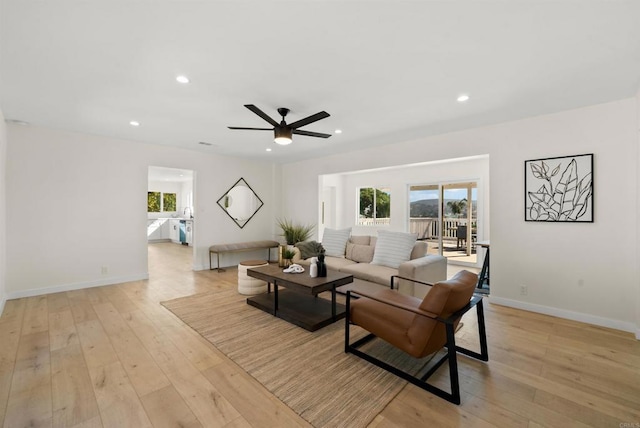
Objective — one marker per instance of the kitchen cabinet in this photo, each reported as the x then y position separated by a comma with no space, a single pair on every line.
158,229
189,232
174,230
179,231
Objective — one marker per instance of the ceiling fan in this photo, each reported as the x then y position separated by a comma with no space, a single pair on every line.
283,131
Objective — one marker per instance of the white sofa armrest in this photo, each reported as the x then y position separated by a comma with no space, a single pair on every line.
431,268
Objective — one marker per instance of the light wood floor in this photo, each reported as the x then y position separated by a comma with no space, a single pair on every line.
113,357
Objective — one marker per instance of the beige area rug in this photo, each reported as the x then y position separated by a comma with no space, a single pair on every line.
307,371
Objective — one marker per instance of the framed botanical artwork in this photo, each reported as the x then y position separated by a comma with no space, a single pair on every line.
559,189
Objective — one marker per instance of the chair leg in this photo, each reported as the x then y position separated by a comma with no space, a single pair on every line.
453,364
482,336
451,357
482,332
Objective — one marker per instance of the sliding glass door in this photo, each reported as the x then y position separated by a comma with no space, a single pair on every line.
445,215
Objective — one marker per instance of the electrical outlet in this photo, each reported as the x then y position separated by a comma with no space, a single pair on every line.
524,290
104,270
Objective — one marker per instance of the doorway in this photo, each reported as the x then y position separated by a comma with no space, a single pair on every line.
170,208
445,215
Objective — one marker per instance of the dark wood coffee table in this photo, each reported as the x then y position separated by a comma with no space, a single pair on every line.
298,303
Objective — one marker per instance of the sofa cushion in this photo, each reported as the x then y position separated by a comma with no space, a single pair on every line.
359,253
360,239
335,241
419,250
338,263
393,248
368,272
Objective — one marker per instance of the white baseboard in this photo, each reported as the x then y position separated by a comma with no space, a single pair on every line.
574,316
76,286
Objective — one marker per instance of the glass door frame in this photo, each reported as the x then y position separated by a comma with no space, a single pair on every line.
441,188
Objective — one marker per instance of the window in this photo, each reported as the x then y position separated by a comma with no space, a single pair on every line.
168,202
153,202
441,215
374,206
158,202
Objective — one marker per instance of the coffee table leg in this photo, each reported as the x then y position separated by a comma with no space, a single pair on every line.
333,302
275,298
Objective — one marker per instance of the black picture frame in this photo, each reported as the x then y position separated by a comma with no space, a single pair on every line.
559,189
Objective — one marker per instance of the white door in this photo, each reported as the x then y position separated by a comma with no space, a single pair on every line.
327,210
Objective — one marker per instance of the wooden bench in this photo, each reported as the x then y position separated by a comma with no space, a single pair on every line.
239,247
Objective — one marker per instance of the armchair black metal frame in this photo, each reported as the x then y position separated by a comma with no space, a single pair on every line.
452,348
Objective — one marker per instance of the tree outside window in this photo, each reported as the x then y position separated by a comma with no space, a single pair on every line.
169,202
153,202
374,206
161,202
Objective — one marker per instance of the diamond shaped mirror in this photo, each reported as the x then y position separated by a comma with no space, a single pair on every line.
240,202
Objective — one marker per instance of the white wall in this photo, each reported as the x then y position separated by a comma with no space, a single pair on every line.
579,271
637,278
78,202
3,213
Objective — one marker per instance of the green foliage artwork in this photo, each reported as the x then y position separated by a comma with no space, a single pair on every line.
375,203
559,189
153,202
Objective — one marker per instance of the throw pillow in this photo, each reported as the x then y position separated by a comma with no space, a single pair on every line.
360,239
309,249
335,241
393,248
359,253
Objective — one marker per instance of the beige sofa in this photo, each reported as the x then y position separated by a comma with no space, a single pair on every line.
366,276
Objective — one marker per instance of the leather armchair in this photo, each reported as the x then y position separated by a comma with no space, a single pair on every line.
419,327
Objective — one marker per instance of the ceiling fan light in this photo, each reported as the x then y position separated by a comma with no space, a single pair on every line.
283,141
282,136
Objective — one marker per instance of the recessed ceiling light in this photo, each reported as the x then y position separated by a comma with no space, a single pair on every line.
182,79
268,150
463,98
134,123
338,131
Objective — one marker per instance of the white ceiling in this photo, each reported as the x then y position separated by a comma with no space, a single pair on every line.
386,71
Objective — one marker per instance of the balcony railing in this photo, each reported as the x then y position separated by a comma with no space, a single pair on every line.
425,227
373,221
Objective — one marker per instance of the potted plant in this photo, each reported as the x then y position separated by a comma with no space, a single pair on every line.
288,255
294,233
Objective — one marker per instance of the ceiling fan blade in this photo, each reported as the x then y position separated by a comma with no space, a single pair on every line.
251,129
262,114
311,134
307,120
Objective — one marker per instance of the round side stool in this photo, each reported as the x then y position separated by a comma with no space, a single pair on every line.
246,284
